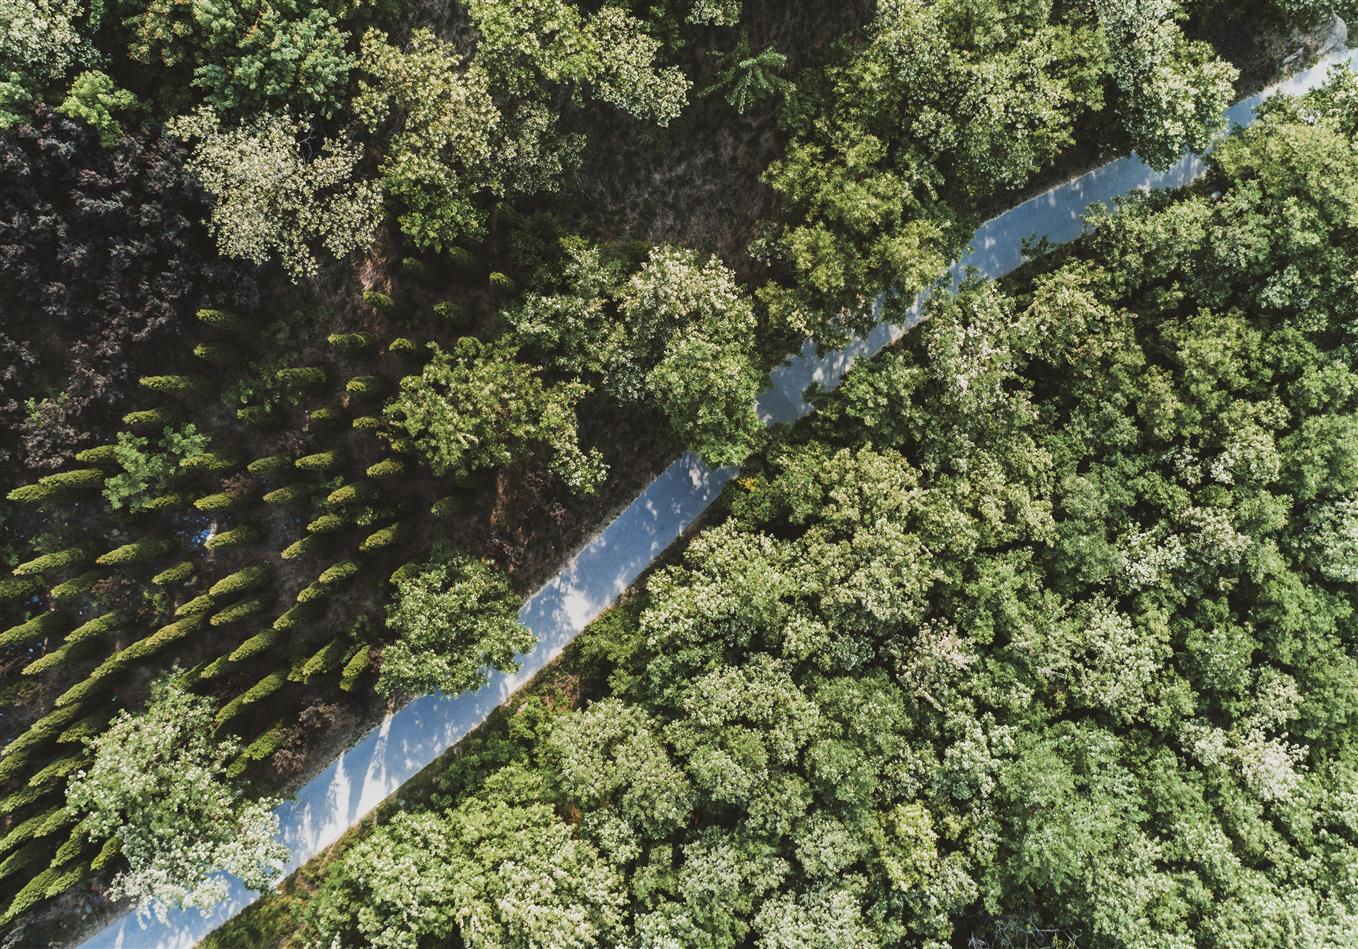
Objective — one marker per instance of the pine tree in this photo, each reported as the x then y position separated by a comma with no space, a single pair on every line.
57,560
148,548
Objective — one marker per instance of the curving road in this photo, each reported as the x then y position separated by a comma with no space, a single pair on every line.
409,739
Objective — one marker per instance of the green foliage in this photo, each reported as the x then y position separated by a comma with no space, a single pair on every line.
292,618
226,321
272,198
320,461
56,560
347,494
365,387
1172,91
269,466
147,548
238,611
379,539
17,588
44,624
255,645
262,689
386,468
288,494
218,502
98,626
747,79
453,618
358,666
259,749
478,408
174,575
94,99
247,578
183,386
157,785
148,467
326,523
303,547
104,456
321,661
301,377
678,335
242,536
77,586
448,506
212,461
199,604
160,417
218,354
353,342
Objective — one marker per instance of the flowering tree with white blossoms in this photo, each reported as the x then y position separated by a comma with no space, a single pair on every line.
158,785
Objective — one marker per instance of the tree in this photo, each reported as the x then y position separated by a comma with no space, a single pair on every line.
1173,90
146,471
747,78
496,874
273,196
454,618
39,42
93,99
479,407
157,785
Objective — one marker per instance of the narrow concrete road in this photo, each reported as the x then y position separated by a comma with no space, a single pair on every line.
408,740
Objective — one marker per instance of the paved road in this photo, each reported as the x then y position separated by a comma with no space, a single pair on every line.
408,740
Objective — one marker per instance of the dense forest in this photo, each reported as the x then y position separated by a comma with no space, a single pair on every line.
1039,633
329,329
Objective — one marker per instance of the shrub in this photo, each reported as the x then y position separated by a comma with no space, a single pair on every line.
51,660
355,668
218,354
98,626
224,320
74,481
57,560
102,455
379,301
26,857
269,465
325,416
241,580
352,342
449,505
320,461
301,377
416,268
326,523
386,468
183,386
456,315
148,548
404,572
238,611
303,547
367,422
258,415
213,503
199,604
348,494
288,494
255,645
380,539
321,661
292,617
262,689
364,387
156,418
338,573
77,586
259,749
209,461
166,502
31,494
44,624
241,536
176,574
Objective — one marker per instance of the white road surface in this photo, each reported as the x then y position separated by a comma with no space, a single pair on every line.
409,739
